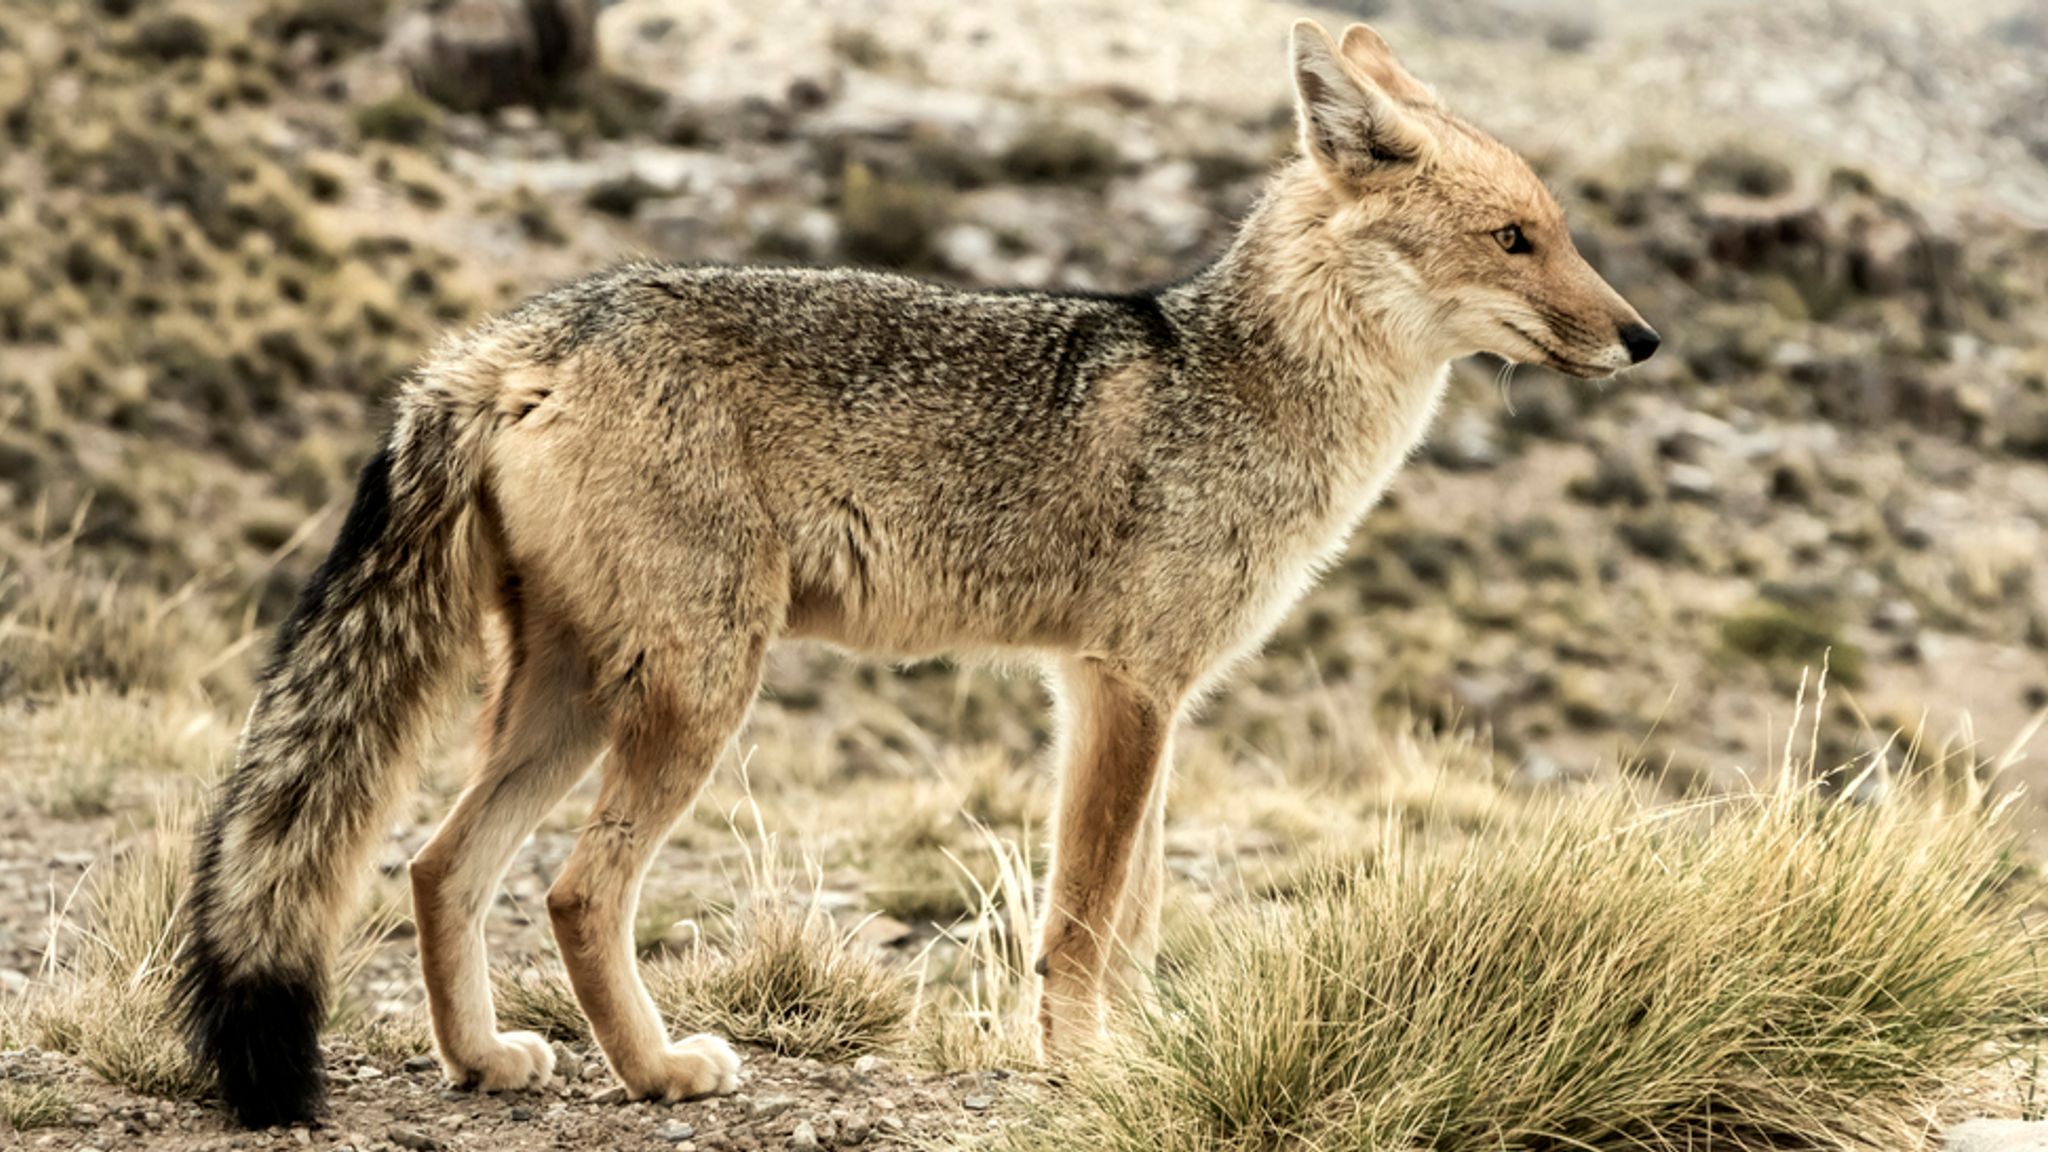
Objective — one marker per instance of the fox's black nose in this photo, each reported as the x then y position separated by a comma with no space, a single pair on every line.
1640,340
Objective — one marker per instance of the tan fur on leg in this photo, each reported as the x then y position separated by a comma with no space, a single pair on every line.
660,760
540,737
1134,954
1118,739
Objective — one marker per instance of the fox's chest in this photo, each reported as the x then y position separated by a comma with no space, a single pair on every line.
1310,513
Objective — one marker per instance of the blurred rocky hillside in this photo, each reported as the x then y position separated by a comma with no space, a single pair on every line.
227,227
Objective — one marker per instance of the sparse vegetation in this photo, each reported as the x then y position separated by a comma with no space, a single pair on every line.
888,222
1055,152
404,118
1789,639
1758,972
27,1107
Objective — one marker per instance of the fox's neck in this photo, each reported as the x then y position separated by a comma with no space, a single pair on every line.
1341,356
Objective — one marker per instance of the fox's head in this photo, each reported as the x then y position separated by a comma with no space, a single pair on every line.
1440,225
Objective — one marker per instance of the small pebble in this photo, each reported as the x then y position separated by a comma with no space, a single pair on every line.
675,1132
804,1138
979,1103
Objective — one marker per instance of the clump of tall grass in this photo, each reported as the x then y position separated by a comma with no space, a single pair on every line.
787,979
1771,970
108,1005
107,1002
977,1012
26,1107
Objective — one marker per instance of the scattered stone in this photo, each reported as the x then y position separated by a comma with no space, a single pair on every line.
422,1064
869,1065
413,1139
769,1107
1692,482
804,1138
616,1094
675,1132
1896,616
978,1103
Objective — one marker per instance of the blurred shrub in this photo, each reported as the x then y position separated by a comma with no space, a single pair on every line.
1790,638
1054,152
404,118
888,222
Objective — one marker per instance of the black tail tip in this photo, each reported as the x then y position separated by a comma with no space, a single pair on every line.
260,1034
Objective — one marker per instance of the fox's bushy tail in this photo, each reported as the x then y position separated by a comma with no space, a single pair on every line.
328,749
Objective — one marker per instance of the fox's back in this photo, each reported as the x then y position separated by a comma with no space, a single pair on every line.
946,467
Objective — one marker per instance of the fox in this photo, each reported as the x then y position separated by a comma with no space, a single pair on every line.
644,479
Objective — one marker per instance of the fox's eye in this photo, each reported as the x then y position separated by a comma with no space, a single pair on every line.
1511,239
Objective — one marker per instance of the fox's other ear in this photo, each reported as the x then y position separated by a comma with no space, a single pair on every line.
1369,52
1351,127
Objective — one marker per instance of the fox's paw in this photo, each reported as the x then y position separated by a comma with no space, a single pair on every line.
701,1065
513,1061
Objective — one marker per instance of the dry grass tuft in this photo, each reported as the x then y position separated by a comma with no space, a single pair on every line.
978,1013
26,1107
788,980
108,1003
793,983
389,1039
1767,971
109,1007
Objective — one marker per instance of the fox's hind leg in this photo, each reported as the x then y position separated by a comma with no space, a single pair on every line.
540,735
682,666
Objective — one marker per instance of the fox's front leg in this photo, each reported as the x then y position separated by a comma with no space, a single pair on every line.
1117,733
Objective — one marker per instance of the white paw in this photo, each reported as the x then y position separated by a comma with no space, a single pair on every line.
701,1065
515,1060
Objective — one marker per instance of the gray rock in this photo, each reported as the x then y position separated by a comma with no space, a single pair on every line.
978,1103
804,1138
1997,1136
1691,482
769,1107
413,1139
675,1132
421,1064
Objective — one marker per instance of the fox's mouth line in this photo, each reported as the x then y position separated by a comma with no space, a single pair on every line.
1556,359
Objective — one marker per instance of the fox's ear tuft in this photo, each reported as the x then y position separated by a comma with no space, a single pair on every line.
1368,51
1350,126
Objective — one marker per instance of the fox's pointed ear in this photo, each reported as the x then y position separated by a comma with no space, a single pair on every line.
1368,51
1351,127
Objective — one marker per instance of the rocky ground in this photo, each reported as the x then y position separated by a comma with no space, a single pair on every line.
379,1105
226,227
